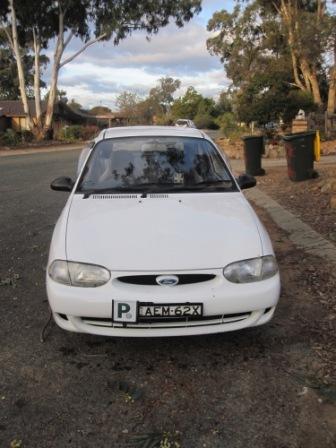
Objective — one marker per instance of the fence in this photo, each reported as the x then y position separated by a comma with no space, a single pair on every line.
324,122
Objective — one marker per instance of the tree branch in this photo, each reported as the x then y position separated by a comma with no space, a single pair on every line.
68,39
84,47
10,41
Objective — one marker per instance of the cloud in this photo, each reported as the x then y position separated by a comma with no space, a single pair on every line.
103,71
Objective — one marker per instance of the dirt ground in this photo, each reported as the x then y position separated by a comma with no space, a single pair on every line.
234,148
309,200
265,387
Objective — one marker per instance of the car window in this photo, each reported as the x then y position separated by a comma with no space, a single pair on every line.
165,163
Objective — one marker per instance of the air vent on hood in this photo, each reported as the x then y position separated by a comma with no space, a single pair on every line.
158,196
113,196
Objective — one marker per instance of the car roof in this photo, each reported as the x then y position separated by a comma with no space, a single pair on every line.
148,131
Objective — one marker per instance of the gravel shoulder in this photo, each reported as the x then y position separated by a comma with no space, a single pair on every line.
272,386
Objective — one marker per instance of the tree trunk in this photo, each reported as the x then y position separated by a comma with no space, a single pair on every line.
17,53
297,79
37,94
289,12
315,88
332,91
310,76
54,75
51,100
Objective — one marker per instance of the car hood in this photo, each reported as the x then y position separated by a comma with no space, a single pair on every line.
162,232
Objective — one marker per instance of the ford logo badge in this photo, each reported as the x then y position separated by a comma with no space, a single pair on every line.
167,280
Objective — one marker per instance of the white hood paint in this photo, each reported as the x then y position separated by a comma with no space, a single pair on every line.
181,232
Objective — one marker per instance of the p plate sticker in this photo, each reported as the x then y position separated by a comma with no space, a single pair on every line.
124,311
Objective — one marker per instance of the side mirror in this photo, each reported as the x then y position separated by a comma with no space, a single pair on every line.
62,184
246,181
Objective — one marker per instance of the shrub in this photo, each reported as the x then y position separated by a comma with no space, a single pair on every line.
10,138
164,120
205,121
76,132
230,127
89,132
26,136
69,133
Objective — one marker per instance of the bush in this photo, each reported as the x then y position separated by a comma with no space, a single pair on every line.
230,127
205,121
69,133
164,120
10,138
89,132
76,132
26,136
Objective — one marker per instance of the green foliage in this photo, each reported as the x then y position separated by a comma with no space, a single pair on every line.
187,105
26,136
164,120
251,43
76,132
14,138
205,121
269,100
10,138
9,82
230,127
89,132
161,96
115,19
60,96
74,105
224,103
127,104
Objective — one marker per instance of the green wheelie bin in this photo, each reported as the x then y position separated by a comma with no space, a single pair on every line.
254,147
300,155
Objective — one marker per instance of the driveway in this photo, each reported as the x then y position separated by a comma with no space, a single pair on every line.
272,386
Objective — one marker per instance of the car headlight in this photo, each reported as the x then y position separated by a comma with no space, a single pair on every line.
252,270
78,274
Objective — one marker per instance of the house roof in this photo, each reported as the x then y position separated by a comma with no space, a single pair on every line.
14,108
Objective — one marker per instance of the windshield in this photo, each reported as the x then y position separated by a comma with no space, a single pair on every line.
155,164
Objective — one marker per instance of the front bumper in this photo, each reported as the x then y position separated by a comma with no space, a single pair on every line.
226,306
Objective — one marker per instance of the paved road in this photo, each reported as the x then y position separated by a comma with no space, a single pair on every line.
230,390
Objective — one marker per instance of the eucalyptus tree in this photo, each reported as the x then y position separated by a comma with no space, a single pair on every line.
301,32
51,25
9,82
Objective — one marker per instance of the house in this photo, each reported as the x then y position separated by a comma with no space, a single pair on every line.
13,117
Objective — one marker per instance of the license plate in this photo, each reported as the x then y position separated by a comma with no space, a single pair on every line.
131,311
182,310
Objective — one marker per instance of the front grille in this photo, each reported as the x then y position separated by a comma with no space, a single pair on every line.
184,279
169,322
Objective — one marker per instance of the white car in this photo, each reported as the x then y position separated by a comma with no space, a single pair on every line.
156,239
185,123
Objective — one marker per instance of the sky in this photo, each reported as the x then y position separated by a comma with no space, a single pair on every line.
103,71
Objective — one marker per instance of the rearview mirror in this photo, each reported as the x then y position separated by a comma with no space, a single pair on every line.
246,181
62,184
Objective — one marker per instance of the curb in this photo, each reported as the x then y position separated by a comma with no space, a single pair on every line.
22,152
300,233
